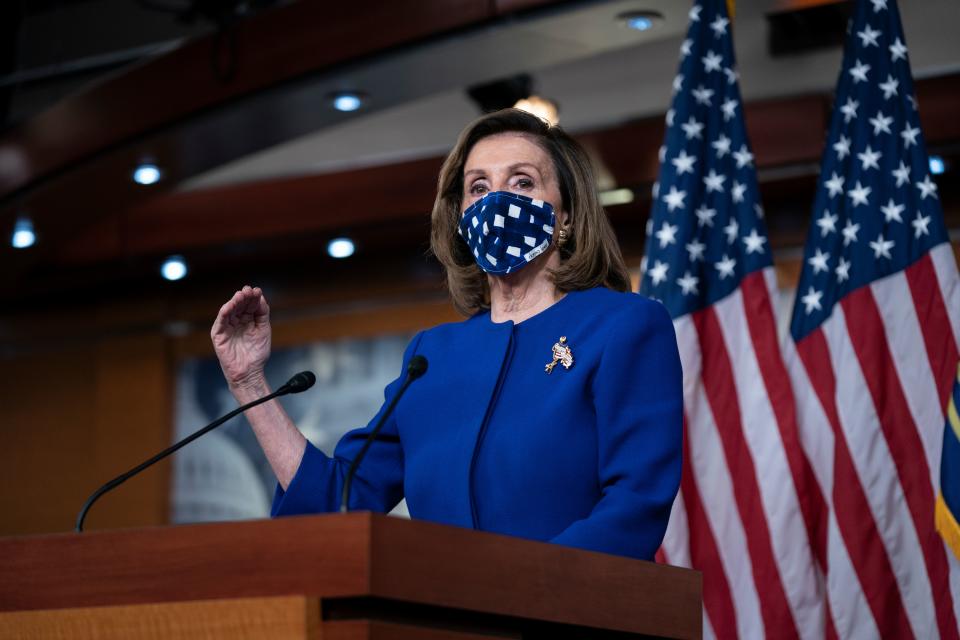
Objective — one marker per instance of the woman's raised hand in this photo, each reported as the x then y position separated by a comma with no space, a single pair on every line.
241,337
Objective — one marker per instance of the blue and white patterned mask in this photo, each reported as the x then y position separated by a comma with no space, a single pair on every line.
506,231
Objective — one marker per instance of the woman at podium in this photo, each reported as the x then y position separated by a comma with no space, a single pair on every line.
553,412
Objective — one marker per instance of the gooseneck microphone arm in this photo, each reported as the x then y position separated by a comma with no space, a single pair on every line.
300,382
415,368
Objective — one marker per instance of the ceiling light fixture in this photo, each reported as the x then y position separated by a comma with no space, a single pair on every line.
341,248
540,107
937,165
174,268
147,174
347,101
23,234
640,20
615,197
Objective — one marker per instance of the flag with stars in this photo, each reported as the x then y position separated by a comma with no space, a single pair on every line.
873,348
744,510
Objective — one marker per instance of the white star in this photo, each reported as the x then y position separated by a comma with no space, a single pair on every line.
827,223
879,5
722,145
849,110
843,270
909,136
684,163
758,210
902,174
744,157
868,36
729,108
811,301
705,216
670,115
714,181
692,128
842,147
695,13
737,191
731,230
897,50
850,232
869,157
881,248
659,272
725,266
913,101
881,123
667,235
859,194
685,47
754,242
688,283
927,188
655,190
819,262
711,62
920,225
859,72
889,87
674,199
677,82
731,74
649,230
834,184
662,152
719,26
892,211
696,249
702,95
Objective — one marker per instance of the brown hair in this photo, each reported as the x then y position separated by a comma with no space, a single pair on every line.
590,256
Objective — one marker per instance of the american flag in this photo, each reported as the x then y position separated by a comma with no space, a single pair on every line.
873,349
747,502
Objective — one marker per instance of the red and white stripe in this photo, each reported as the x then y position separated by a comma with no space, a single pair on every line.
749,502
871,384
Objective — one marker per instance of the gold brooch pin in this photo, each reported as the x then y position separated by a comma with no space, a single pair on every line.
561,354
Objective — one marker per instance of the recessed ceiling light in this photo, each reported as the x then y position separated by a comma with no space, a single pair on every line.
174,268
147,174
937,165
615,197
341,248
541,107
346,101
640,20
23,234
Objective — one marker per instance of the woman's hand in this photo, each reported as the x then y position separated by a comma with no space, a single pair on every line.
241,337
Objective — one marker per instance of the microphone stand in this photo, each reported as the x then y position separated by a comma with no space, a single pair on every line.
300,382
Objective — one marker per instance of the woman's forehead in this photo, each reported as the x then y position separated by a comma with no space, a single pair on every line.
504,150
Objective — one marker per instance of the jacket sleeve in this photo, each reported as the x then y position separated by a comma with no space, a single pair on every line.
638,397
378,483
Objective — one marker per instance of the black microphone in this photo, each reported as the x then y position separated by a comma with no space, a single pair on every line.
300,382
415,368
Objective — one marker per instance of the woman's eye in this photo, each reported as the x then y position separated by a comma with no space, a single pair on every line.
525,183
478,189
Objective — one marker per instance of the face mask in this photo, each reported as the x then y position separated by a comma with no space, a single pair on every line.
505,231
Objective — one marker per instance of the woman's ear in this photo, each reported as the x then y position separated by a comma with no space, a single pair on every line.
563,219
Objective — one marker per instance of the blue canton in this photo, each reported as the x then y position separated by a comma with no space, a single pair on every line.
706,229
876,209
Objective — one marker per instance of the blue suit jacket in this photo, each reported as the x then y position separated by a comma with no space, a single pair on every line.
587,456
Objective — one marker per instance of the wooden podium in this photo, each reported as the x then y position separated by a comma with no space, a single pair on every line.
333,577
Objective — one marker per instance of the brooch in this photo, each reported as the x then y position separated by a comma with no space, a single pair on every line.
561,354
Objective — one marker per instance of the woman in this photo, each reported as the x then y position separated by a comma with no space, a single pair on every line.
553,413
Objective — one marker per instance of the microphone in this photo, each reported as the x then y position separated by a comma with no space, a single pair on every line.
299,382
415,368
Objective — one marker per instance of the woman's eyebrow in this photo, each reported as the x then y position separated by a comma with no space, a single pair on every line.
512,168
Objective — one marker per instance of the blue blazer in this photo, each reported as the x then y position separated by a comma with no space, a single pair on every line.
587,456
